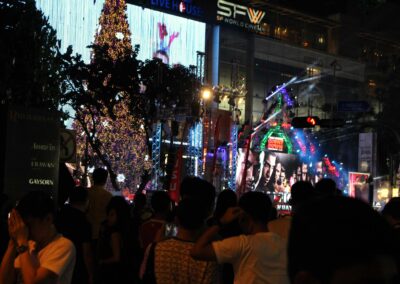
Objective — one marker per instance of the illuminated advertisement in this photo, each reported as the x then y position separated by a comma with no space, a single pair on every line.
197,10
271,172
275,144
383,191
274,173
396,175
241,16
358,185
173,39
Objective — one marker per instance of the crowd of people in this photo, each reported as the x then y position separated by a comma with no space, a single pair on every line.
99,238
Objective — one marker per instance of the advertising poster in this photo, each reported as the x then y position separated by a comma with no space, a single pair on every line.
382,191
270,171
396,175
273,173
358,185
367,152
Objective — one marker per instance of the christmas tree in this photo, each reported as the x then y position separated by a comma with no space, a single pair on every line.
117,138
122,142
114,30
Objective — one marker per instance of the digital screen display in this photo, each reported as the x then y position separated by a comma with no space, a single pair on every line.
275,144
173,39
274,173
358,185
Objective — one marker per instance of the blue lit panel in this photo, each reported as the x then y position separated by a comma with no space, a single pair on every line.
76,22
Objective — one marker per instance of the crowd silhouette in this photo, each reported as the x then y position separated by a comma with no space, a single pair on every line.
98,238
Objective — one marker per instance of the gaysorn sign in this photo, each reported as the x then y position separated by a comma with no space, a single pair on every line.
241,16
31,158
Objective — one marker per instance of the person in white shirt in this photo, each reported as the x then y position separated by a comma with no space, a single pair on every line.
36,253
257,256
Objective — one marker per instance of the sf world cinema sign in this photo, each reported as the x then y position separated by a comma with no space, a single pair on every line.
241,16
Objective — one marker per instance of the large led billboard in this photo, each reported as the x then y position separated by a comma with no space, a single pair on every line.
171,38
274,173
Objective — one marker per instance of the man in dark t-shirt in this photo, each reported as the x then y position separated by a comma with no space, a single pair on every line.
72,223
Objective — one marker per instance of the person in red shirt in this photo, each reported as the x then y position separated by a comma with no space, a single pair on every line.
161,205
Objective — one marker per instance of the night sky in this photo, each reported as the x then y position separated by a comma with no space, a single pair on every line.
328,7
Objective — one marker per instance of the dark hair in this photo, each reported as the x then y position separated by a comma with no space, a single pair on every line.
270,154
256,204
160,201
326,187
65,184
392,208
121,207
78,194
189,214
100,176
36,204
227,198
301,192
139,200
200,190
320,232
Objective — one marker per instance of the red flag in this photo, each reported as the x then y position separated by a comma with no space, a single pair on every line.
242,187
216,143
174,188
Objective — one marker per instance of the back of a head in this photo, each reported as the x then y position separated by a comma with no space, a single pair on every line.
301,191
392,208
227,198
65,183
256,204
326,187
100,176
36,204
160,201
334,233
78,194
122,209
189,214
199,189
140,200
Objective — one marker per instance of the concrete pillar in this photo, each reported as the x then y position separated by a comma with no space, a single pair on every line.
212,55
249,77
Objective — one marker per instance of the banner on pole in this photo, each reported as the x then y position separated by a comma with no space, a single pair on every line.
174,189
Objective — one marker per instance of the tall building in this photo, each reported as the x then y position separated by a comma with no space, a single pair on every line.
284,44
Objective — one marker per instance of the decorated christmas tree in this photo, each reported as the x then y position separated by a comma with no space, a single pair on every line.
116,137
113,30
123,143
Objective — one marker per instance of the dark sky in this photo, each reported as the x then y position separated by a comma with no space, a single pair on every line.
376,15
328,7
315,7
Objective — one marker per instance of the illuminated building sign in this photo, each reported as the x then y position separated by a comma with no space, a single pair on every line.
198,10
241,16
31,139
275,144
184,7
